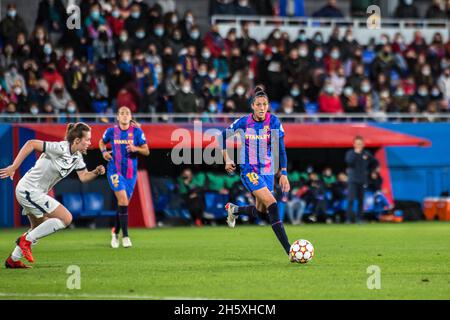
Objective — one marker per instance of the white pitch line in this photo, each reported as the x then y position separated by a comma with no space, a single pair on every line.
97,296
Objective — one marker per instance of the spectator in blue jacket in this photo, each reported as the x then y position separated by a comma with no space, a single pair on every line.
330,10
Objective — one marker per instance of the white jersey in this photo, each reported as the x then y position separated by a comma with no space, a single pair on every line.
55,163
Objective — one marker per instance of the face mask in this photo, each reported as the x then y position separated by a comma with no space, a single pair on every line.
240,91
435,93
34,111
123,38
295,92
348,92
335,55
384,41
40,36
277,35
116,14
426,72
400,93
190,19
135,14
423,93
95,15
158,69
212,76
243,3
195,35
140,35
159,32
69,55
288,110
212,108
302,37
303,53
126,58
329,90
318,39
186,89
18,91
365,88
206,54
12,13
174,19
202,73
318,54
408,2
349,38
71,109
177,36
47,50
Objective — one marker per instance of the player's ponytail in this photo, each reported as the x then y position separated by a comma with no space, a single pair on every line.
259,92
76,130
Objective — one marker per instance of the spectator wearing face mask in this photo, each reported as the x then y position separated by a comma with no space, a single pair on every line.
175,41
214,41
136,20
103,47
240,99
186,24
116,21
12,25
52,76
12,77
59,97
193,38
48,110
71,112
189,62
66,60
287,108
200,79
425,77
349,100
33,110
184,100
19,98
299,99
329,101
444,84
368,100
332,61
421,97
158,37
406,9
211,108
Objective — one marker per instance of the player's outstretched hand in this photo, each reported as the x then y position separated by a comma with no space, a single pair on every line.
7,172
230,168
284,183
107,155
100,170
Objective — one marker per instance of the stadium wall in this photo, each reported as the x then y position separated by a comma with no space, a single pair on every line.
6,185
418,172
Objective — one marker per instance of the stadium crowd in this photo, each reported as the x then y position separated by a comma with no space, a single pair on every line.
315,196
155,61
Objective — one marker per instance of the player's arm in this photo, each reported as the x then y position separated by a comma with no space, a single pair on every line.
142,149
105,153
284,181
229,132
87,176
25,151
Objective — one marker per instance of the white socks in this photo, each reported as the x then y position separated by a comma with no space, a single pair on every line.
45,228
16,255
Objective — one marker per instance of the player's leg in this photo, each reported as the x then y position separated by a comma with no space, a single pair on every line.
57,219
360,197
122,203
265,199
251,183
350,216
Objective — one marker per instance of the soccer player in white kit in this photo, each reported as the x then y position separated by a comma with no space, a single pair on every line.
57,161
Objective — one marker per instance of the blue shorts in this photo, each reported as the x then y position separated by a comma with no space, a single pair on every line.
253,181
118,183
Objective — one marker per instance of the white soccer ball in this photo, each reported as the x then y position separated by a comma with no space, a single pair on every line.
302,251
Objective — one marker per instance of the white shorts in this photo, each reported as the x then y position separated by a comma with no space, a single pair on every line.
35,202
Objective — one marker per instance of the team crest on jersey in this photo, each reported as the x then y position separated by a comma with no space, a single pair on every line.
266,128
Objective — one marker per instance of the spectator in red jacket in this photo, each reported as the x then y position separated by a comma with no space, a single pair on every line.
214,41
52,76
329,101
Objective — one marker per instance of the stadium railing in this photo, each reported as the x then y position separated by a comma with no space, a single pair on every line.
227,118
363,31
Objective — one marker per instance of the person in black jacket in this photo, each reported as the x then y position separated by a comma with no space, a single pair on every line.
360,163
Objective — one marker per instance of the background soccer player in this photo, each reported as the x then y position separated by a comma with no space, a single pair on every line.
57,161
257,166
127,140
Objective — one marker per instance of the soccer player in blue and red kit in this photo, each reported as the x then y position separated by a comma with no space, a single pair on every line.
262,137
127,140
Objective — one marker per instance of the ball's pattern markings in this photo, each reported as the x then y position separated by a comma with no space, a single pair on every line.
302,251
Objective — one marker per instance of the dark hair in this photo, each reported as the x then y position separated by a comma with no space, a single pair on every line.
76,130
133,122
259,92
358,137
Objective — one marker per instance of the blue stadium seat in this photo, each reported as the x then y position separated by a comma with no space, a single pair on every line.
73,202
368,56
275,105
93,204
215,203
311,108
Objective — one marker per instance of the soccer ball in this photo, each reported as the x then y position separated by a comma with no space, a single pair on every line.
301,251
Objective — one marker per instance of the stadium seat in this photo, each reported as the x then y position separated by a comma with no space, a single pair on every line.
311,108
93,204
275,105
73,202
215,203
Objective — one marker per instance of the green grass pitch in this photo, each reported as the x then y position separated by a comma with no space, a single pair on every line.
242,263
